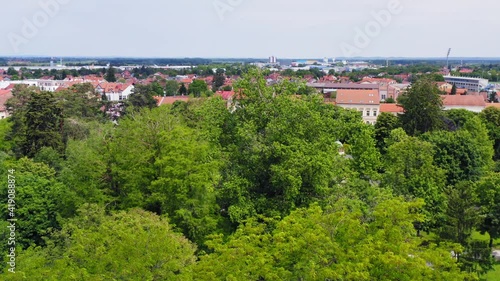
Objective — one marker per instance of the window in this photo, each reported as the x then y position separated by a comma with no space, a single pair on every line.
368,113
374,113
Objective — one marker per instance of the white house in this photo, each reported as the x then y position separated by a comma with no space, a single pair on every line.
115,91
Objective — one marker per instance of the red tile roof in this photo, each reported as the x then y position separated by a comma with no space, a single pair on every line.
226,95
170,100
391,108
4,96
463,100
357,97
114,87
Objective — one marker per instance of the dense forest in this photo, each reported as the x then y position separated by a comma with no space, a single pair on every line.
268,186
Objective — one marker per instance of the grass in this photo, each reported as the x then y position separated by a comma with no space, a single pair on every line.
493,275
478,236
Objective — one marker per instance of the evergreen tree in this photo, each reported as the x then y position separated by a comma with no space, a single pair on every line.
110,74
453,90
422,105
182,89
44,123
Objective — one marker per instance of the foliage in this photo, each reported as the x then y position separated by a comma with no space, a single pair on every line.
40,201
110,75
386,122
458,154
171,87
337,243
488,190
143,96
491,117
422,105
132,245
198,87
43,123
410,171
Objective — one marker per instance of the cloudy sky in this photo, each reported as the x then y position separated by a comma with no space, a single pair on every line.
250,28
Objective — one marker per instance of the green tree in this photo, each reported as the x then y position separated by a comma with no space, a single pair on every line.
334,243
386,122
491,117
110,75
12,71
422,105
198,87
458,154
80,101
488,190
461,218
143,97
459,117
284,152
17,107
44,123
219,79
182,90
410,172
390,100
39,203
453,90
171,87
96,246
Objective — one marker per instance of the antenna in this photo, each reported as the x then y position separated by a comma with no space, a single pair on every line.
447,58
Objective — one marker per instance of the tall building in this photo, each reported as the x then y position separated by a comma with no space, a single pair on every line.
273,60
471,84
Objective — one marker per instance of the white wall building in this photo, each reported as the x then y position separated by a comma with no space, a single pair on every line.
471,84
367,102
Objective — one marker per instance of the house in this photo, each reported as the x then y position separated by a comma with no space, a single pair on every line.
170,100
115,91
444,86
395,90
330,87
391,108
474,103
4,96
225,95
379,81
367,102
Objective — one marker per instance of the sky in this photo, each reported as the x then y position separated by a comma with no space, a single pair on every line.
250,28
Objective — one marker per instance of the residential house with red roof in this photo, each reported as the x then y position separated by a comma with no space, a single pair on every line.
474,103
391,108
115,91
4,96
367,102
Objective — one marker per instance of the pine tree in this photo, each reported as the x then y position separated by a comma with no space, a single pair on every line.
453,90
110,75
